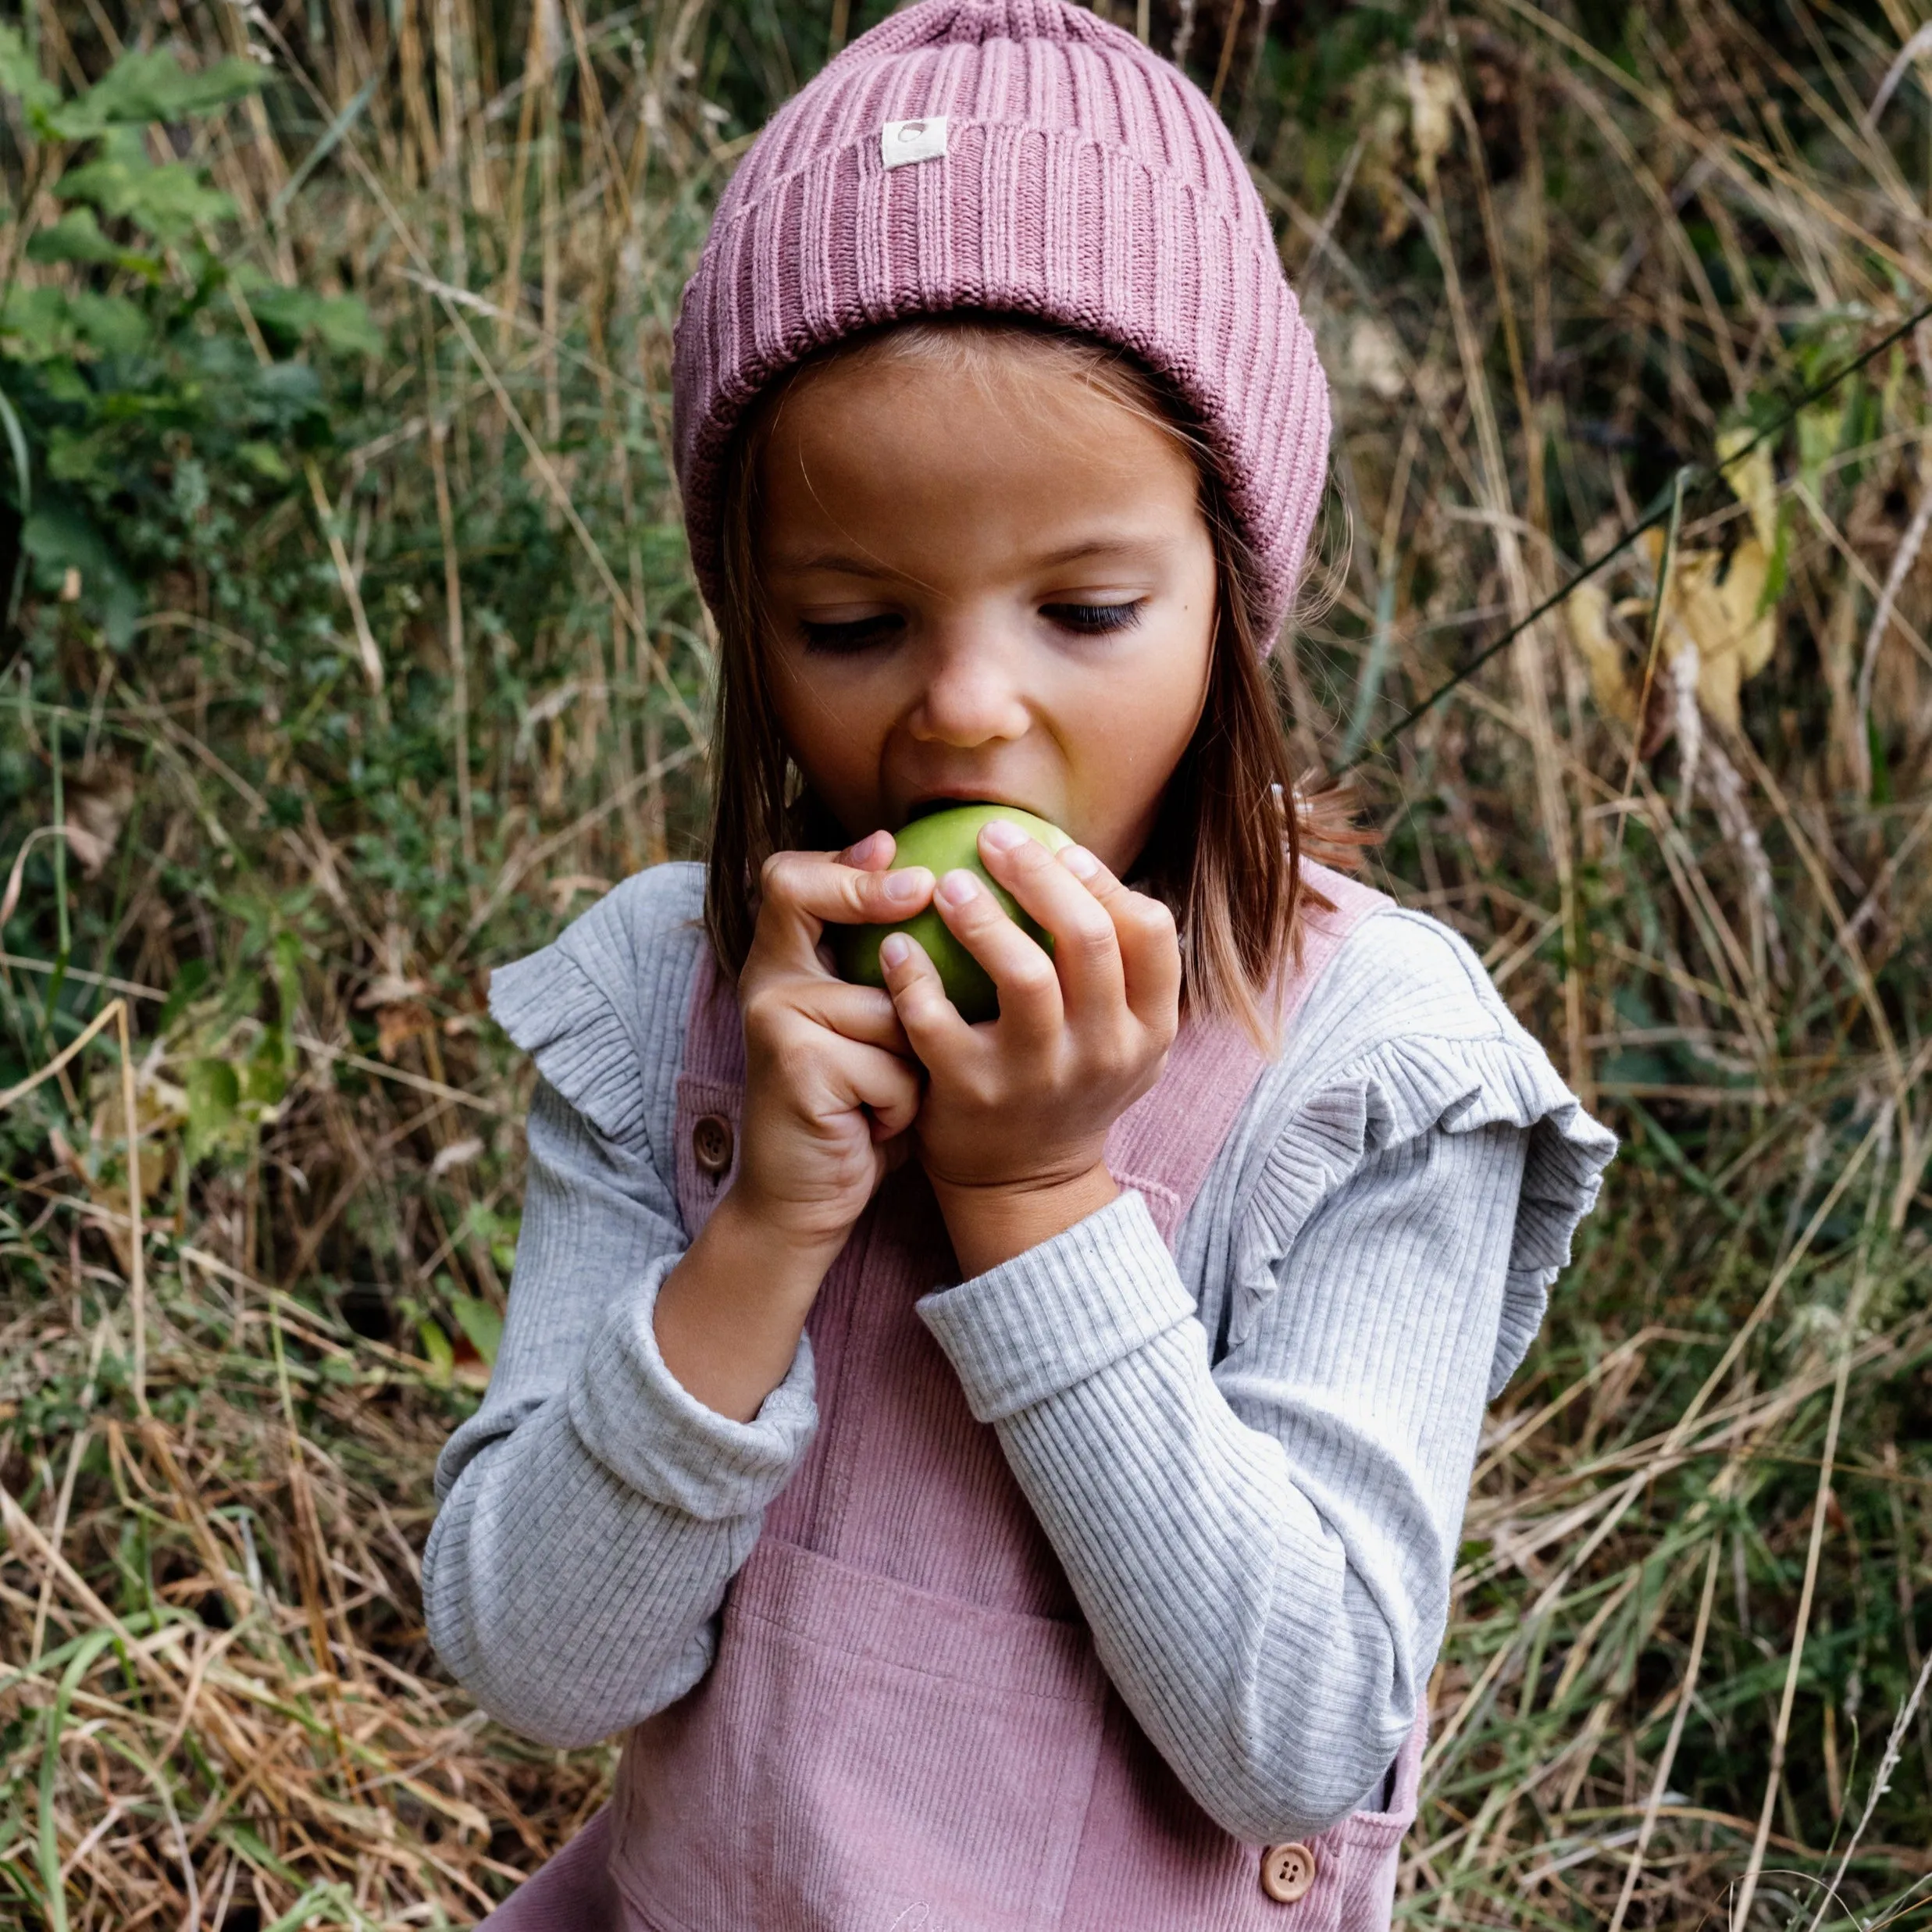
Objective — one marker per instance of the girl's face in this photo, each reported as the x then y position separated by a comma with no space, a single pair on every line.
984,580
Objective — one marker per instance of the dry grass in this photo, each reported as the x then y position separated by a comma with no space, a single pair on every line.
404,715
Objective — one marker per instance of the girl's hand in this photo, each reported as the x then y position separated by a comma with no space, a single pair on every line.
831,1085
1014,1123
830,1091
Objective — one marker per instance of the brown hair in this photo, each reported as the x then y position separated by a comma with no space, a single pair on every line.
1225,853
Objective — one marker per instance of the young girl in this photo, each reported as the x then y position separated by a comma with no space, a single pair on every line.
1001,1477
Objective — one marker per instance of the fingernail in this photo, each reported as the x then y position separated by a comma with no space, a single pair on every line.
956,889
1079,861
865,848
1002,837
908,885
896,950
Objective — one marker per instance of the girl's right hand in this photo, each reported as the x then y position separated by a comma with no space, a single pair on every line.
832,1085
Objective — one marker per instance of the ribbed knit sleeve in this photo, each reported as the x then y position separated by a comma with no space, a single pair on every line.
1262,1548
593,1510
1255,1476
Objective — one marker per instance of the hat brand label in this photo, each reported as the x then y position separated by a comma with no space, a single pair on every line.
901,142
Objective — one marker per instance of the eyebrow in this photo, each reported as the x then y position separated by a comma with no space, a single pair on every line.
1099,547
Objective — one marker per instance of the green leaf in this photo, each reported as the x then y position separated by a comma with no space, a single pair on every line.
435,1345
166,202
58,539
174,200
77,237
187,982
37,322
20,76
266,460
265,1079
288,952
109,324
347,326
481,1323
1881,763
1777,569
108,181
214,1099
141,87
65,383
289,311
285,393
82,456
1819,430
342,321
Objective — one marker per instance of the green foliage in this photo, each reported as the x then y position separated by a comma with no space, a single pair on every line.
480,1323
20,75
77,237
141,400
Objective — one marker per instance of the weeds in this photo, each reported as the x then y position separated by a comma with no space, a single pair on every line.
351,649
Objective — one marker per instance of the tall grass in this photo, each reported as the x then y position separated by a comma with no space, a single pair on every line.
351,682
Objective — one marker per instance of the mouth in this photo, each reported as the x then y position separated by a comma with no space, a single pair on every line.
927,803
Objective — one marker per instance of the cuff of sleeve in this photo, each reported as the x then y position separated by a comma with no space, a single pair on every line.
1060,1312
652,1432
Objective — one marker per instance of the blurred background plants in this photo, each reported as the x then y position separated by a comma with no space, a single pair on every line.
349,649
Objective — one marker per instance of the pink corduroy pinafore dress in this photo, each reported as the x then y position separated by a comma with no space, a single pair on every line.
906,1727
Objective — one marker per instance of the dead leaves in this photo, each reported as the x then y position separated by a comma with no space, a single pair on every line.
97,804
401,1014
1431,89
1588,611
1372,359
1718,626
103,1177
1408,119
1716,606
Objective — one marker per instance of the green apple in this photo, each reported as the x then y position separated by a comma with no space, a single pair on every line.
948,841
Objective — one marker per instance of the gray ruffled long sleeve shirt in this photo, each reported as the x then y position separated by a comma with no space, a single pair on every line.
1252,1455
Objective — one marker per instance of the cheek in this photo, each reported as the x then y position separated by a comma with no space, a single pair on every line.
1175,674
1135,723
1162,715
833,716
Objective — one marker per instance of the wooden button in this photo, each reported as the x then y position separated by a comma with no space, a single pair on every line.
710,1142
1287,1872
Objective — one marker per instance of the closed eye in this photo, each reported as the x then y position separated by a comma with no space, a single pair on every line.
1094,620
857,634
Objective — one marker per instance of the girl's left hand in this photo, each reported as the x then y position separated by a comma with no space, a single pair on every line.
1013,1127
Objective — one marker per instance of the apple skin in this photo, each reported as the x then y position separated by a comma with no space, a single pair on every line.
948,841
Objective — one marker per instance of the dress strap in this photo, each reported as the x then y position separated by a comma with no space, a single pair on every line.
713,1034
710,1093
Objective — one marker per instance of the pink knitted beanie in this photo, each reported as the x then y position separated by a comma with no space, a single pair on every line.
1020,156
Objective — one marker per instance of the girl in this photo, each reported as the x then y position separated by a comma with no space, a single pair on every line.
1006,1477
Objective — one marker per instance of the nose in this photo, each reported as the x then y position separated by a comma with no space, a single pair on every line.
972,694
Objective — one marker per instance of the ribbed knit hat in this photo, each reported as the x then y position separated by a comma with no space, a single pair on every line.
1016,156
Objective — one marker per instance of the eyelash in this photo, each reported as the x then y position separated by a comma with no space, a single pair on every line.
1088,620
859,634
1093,620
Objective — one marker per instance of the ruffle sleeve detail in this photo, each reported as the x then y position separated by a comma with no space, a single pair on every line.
583,1006
552,1009
1398,1091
